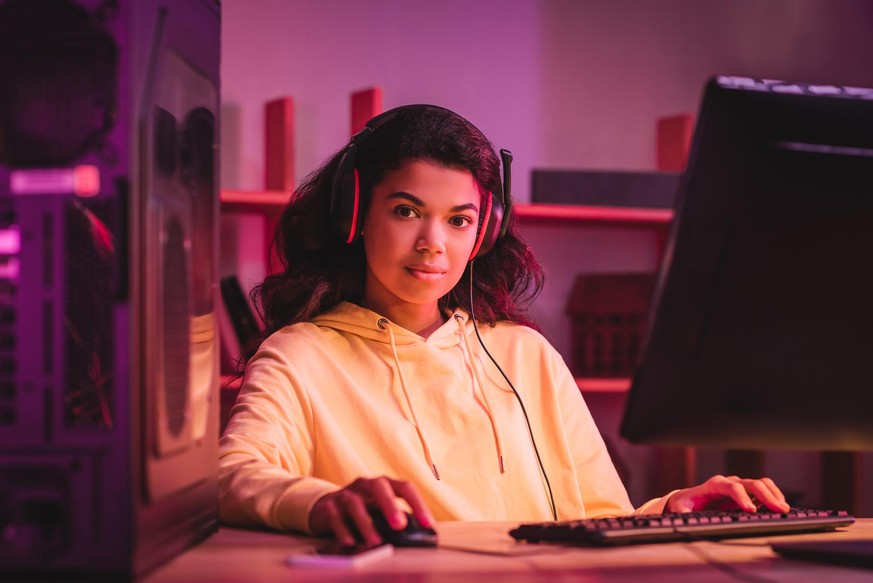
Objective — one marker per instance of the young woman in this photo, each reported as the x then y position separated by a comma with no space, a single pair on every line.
398,368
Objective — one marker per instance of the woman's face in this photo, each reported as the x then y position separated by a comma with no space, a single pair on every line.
418,235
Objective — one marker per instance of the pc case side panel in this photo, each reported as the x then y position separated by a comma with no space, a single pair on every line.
175,259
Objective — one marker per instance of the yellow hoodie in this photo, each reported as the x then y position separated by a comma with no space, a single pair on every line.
352,395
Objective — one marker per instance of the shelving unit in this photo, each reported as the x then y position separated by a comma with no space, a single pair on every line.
279,125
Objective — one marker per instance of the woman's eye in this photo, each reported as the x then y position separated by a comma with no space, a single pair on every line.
405,211
460,221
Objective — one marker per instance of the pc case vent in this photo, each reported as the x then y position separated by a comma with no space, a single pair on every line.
89,264
9,258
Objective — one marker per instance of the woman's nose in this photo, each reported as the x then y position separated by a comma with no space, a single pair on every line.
431,239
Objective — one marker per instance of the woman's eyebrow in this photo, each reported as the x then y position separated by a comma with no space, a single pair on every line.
463,207
418,202
405,195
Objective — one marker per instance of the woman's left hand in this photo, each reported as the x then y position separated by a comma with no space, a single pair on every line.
728,493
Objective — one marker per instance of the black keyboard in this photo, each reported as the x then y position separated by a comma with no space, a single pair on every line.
676,526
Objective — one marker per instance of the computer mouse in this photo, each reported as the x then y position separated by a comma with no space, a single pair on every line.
413,535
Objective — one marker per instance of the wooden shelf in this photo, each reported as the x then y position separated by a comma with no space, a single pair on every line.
270,201
231,384
603,385
273,201
593,215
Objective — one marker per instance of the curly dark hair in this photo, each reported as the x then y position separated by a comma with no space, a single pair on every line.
320,270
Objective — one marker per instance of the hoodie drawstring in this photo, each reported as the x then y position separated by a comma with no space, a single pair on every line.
498,441
385,325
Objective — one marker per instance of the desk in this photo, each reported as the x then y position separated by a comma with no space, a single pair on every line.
241,556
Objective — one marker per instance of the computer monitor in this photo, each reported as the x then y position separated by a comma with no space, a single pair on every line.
761,328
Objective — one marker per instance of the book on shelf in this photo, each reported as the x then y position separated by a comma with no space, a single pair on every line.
238,324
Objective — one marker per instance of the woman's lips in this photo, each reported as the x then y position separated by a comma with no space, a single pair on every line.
425,272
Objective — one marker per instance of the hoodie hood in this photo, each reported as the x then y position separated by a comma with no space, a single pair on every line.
350,318
353,319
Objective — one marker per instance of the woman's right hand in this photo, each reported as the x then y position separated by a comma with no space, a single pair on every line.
342,513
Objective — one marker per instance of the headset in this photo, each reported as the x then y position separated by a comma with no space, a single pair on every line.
346,212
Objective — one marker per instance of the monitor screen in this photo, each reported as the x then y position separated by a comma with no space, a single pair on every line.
761,328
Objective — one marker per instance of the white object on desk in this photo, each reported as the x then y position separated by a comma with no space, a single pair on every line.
333,556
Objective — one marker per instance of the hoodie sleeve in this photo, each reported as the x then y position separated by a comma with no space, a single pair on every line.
265,454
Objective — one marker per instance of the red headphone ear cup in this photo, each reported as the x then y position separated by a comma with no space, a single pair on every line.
345,203
490,229
354,230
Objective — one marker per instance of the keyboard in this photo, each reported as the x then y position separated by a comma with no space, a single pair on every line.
676,526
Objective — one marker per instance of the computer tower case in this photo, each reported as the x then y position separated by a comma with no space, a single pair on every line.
108,287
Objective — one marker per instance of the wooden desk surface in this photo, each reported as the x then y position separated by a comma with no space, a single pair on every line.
240,556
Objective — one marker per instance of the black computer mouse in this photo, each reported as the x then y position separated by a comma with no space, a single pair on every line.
413,535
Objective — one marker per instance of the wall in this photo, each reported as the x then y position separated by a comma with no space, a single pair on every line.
561,83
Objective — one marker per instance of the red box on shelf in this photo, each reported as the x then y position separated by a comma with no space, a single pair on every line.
366,104
674,141
608,315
